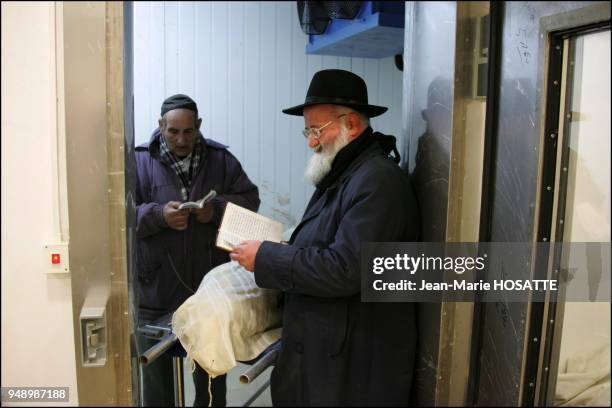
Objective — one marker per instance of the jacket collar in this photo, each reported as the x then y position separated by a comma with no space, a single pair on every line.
372,150
320,199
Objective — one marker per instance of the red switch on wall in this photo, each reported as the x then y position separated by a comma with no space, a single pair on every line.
59,256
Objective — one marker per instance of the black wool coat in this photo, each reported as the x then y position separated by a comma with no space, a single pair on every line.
337,350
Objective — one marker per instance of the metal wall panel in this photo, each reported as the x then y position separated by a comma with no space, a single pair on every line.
118,309
85,79
429,54
517,164
428,86
431,82
130,188
243,62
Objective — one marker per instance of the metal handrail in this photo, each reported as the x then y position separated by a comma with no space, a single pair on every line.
257,393
266,361
157,350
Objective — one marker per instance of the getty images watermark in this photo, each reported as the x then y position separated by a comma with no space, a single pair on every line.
485,272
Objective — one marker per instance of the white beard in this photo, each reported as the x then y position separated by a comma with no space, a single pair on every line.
320,162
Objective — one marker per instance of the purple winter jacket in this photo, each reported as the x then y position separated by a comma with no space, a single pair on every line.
164,252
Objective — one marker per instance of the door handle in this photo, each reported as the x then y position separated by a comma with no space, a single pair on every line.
94,342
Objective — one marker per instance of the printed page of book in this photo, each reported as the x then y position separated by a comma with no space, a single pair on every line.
239,224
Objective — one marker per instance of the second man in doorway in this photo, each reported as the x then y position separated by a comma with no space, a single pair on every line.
176,247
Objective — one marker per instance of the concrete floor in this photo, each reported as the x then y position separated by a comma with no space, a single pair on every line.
237,393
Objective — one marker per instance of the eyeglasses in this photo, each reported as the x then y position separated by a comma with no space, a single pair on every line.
316,132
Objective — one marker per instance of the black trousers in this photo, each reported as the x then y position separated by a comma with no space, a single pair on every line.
158,382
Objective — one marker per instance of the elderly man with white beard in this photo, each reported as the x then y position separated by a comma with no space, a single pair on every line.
337,350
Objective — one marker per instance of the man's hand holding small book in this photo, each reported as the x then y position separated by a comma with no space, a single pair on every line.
202,209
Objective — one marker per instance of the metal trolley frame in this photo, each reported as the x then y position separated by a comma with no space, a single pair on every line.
161,330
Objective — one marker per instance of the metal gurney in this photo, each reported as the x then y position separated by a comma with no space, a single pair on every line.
167,343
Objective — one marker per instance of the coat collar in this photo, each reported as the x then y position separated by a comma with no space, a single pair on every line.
318,202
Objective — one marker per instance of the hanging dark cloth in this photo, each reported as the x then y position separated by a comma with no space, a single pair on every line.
315,16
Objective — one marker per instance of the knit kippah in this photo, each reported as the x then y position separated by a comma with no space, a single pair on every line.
178,101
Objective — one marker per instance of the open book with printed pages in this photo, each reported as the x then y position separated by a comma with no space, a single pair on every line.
200,203
239,224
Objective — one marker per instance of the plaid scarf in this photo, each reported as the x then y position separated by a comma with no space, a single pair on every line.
184,168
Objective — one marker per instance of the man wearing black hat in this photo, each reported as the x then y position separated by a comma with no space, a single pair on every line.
335,349
176,247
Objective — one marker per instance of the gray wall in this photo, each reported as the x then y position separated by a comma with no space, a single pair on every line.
243,62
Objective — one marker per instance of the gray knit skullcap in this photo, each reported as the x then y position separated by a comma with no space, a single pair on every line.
178,101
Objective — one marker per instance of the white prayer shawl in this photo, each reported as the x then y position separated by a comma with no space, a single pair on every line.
227,320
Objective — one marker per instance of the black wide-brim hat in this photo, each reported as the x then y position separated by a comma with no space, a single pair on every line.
337,87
